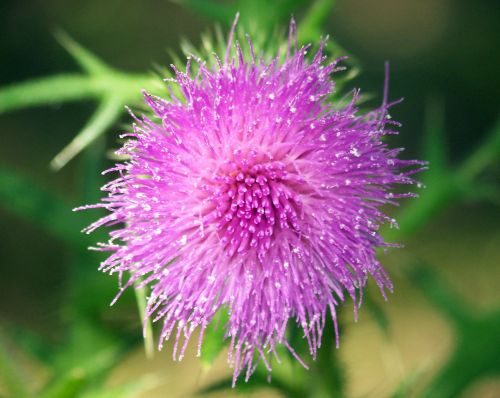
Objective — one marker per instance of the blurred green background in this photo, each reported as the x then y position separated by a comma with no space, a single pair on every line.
58,336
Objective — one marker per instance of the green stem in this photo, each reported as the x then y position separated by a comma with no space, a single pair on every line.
140,294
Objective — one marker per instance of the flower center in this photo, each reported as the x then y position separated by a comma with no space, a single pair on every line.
253,202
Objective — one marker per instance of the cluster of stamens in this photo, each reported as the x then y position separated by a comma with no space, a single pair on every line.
252,203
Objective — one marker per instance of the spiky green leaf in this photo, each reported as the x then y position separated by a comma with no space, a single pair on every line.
88,61
106,114
49,90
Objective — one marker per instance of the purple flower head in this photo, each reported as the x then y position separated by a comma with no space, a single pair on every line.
249,190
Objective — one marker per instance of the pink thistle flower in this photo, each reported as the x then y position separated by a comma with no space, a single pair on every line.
249,190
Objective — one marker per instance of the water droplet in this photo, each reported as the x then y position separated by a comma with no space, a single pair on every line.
355,152
183,240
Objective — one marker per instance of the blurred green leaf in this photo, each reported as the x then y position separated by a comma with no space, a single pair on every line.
406,386
23,198
87,60
477,346
327,373
92,163
30,342
84,359
271,13
88,346
475,356
484,191
112,88
377,312
74,87
106,114
439,293
126,390
258,380
482,157
435,140
213,338
101,81
441,192
211,8
10,376
417,213
325,378
49,90
310,28
67,385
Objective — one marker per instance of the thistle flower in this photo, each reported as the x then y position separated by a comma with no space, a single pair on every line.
249,190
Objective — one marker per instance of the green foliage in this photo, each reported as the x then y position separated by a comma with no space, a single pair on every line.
477,347
104,117
372,305
271,13
445,186
213,338
112,89
11,377
126,390
435,141
50,90
84,58
310,27
41,207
